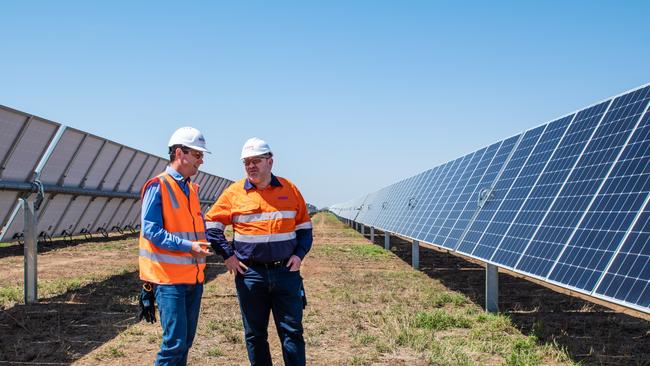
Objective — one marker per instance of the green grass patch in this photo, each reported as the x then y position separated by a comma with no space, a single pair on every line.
524,352
353,251
10,294
363,338
440,320
215,351
116,247
114,352
448,354
368,251
154,338
438,299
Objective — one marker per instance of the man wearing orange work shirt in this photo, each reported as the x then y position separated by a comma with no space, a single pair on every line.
272,235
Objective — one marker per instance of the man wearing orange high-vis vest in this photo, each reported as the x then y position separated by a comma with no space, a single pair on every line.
173,245
272,235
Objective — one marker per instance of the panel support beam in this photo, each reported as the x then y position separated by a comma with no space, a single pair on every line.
415,258
386,240
362,229
30,250
372,234
54,189
491,288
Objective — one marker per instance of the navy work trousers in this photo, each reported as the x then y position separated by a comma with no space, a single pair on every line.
260,291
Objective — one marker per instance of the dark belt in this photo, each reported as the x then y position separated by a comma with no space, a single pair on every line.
267,265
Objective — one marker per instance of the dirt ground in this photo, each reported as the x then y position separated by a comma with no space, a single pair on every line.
86,315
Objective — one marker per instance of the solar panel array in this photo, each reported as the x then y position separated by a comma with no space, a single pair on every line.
91,185
565,202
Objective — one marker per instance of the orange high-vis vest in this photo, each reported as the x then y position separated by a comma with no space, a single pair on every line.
181,217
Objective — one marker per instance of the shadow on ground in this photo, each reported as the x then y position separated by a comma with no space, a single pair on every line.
591,334
62,329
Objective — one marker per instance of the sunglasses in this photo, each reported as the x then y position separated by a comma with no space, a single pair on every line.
253,161
196,154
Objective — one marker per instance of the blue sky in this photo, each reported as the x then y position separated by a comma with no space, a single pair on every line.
351,95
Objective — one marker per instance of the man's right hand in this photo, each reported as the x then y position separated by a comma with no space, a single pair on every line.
200,250
233,264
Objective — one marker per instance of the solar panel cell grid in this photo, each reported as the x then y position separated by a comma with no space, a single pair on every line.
447,195
511,244
456,202
417,202
467,203
434,194
544,204
498,212
608,213
466,244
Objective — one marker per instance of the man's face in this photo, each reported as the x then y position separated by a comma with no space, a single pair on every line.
190,160
258,168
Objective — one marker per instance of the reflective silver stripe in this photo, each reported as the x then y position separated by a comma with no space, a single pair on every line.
189,235
172,259
264,216
214,225
304,225
172,196
265,238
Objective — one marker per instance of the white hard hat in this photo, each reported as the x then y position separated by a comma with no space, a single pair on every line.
190,137
253,147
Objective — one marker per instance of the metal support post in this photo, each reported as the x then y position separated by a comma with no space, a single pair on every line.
415,261
386,240
363,229
372,234
492,288
30,250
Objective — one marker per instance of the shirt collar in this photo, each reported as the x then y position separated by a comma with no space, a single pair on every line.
275,182
176,175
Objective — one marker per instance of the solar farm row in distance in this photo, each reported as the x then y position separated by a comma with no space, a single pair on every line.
104,178
565,202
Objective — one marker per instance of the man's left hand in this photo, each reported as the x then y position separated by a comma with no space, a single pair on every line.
294,263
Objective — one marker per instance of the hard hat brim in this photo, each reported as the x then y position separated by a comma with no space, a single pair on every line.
198,148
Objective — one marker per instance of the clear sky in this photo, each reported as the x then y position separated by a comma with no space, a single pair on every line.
351,95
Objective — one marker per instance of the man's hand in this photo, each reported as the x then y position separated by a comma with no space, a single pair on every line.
233,264
294,263
200,250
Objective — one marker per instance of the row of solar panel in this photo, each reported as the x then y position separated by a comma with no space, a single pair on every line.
81,161
565,202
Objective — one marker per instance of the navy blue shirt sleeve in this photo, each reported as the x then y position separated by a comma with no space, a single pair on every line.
304,238
219,242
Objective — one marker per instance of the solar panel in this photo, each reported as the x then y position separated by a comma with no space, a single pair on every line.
566,202
91,184
627,276
612,205
479,238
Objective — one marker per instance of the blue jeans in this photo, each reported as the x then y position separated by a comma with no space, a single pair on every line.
261,291
178,306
